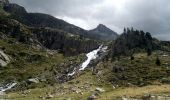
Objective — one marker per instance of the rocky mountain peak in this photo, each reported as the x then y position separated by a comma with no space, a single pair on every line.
15,9
4,2
103,32
101,26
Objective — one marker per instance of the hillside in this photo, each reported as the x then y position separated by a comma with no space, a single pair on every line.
53,39
40,20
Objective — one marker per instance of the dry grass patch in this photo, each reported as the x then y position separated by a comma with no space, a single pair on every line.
135,91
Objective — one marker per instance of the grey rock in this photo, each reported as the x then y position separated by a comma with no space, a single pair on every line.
69,99
2,63
4,59
118,69
100,89
49,96
92,97
34,80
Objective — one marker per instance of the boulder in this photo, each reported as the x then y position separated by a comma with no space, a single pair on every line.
100,89
69,99
75,90
1,93
49,96
2,63
4,59
118,69
92,97
33,80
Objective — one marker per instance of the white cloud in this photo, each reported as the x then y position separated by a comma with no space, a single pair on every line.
79,22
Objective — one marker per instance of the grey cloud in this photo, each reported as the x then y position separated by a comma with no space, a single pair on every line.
148,15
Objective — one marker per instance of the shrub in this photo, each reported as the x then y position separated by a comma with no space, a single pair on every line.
158,62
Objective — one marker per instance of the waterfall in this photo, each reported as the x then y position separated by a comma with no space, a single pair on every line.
90,56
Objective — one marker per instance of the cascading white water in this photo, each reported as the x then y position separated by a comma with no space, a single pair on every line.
90,56
7,87
71,74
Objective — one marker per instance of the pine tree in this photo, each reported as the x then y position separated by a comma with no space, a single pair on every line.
148,36
124,31
128,30
158,62
132,57
149,51
132,29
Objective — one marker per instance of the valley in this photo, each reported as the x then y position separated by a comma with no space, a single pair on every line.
46,58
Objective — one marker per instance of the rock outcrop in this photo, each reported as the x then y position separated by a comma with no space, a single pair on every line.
4,59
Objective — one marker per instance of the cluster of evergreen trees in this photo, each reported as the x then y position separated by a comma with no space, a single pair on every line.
130,41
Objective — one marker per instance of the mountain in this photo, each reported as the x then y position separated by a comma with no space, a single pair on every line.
103,33
43,30
44,20
41,20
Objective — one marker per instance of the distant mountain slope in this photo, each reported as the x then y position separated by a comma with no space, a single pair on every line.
53,39
19,13
103,33
41,20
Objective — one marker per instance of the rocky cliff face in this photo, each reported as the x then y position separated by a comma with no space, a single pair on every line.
15,9
68,44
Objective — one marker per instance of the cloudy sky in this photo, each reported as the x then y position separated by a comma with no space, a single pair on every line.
148,15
